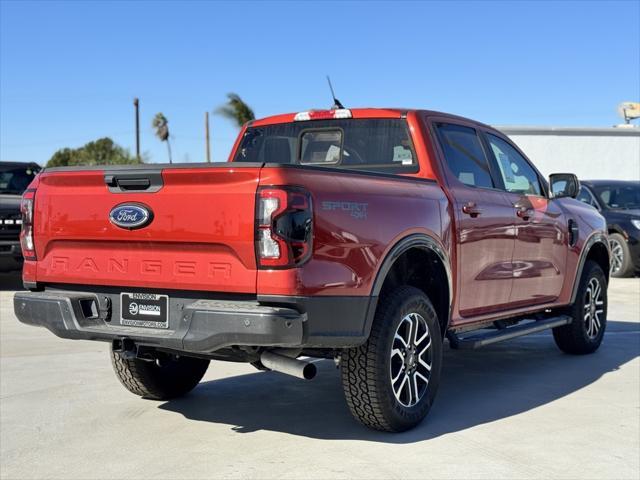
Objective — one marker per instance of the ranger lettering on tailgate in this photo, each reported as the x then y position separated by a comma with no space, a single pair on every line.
145,267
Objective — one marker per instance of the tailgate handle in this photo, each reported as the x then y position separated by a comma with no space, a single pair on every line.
133,183
147,182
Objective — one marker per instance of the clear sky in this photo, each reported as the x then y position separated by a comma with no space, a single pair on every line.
69,70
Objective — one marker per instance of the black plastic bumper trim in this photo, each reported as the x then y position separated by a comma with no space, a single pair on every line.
203,326
332,321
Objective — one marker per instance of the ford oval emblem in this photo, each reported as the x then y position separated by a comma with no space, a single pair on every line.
130,215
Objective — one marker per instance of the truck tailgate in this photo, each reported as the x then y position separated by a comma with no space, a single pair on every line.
201,236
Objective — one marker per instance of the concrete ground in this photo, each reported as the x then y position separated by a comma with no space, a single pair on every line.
520,409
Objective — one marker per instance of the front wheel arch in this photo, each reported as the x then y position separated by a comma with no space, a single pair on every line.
589,313
595,248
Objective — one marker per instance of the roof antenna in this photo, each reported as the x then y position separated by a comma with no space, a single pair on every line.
336,102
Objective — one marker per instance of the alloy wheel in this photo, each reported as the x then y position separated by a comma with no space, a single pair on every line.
411,360
617,256
593,308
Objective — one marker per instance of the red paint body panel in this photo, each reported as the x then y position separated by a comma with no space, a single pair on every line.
542,267
540,251
348,250
484,247
202,234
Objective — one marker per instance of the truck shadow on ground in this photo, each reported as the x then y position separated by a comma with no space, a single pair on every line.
11,281
477,387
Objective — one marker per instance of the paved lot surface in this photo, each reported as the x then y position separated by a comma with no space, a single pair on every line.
514,410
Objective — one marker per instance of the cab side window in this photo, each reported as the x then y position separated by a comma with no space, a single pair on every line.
518,176
464,155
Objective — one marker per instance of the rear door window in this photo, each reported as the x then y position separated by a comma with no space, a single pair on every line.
464,155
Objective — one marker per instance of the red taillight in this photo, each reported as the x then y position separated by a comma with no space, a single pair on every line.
26,233
283,227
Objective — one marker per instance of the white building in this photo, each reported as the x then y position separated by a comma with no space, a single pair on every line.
590,153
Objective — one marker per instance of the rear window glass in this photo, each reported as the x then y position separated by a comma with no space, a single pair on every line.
320,147
382,145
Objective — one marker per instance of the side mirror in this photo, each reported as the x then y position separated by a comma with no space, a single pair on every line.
564,185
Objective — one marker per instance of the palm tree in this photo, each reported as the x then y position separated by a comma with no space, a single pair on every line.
161,126
235,109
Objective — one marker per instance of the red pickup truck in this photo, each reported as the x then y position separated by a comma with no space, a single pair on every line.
366,235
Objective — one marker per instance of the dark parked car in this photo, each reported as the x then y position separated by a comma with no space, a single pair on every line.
14,179
619,203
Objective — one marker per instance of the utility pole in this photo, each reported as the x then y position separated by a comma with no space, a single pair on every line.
136,106
206,134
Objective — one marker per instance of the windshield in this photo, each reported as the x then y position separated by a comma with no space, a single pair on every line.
620,197
382,145
14,180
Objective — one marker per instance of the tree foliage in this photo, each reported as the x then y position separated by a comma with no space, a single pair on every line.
161,126
236,109
103,151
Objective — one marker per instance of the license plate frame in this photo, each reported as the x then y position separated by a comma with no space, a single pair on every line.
144,310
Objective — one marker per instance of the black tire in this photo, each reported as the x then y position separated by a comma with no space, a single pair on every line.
367,370
584,334
621,264
170,377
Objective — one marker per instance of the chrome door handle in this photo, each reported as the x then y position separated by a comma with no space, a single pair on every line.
470,208
524,213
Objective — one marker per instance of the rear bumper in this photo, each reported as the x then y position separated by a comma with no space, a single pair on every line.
200,326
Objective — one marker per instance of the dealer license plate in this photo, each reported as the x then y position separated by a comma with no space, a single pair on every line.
144,310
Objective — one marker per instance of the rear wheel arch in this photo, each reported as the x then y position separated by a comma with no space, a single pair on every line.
419,261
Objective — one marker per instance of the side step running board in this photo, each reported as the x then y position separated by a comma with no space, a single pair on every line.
480,340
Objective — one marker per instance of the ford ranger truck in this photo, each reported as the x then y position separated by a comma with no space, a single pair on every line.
366,236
